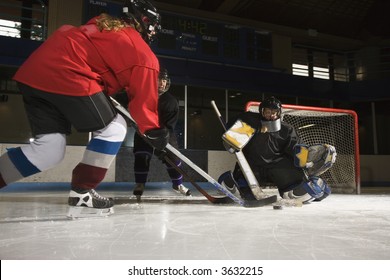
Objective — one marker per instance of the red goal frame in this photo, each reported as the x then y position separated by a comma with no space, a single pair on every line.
353,114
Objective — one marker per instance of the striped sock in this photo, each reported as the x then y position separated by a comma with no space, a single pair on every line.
2,183
87,176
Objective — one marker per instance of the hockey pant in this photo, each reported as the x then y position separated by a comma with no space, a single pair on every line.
48,150
143,153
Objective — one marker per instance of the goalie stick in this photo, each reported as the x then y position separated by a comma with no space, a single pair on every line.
255,203
242,162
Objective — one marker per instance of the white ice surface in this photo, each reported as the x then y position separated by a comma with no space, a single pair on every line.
342,227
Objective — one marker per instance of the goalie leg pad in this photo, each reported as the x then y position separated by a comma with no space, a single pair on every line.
298,194
326,189
316,187
227,180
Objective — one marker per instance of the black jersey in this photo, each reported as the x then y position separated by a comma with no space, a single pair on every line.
267,149
168,111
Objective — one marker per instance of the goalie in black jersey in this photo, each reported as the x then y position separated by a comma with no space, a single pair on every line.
277,155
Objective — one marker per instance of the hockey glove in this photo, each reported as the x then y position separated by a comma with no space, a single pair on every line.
158,138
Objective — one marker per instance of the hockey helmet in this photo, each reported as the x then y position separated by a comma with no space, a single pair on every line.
164,82
270,111
144,14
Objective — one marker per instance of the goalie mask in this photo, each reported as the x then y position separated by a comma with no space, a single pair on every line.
164,82
270,111
144,16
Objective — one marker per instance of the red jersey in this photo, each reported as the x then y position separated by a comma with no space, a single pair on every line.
81,61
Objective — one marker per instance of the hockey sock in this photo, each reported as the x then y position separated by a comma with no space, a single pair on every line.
46,151
2,182
175,176
141,166
87,176
97,158
99,154
14,165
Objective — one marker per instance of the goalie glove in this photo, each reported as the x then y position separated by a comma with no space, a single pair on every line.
158,138
315,159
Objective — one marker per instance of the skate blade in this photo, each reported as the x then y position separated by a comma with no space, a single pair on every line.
183,194
87,212
138,197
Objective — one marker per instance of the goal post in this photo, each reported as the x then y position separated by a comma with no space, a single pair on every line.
337,127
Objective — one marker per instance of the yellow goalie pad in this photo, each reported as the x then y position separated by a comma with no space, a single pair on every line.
238,135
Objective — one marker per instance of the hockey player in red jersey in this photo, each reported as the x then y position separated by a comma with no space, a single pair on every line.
65,82
277,155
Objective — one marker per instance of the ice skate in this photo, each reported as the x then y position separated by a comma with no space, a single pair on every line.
88,203
289,199
138,191
181,189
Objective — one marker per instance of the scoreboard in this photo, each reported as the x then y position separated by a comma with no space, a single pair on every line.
201,39
213,41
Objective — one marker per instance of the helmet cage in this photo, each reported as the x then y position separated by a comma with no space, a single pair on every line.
163,75
145,14
273,104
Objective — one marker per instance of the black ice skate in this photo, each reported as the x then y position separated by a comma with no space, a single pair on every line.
139,190
88,203
181,189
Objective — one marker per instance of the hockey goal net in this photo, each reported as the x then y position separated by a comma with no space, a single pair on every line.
337,127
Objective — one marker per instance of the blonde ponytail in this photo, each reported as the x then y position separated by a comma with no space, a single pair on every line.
109,23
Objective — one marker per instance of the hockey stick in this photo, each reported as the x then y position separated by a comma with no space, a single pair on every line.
243,163
245,203
240,201
209,197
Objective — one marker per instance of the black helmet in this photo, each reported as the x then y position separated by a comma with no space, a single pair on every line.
144,13
267,124
272,103
163,75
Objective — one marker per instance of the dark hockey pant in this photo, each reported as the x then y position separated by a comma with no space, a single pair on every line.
143,153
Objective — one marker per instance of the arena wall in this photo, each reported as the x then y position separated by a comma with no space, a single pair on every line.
374,168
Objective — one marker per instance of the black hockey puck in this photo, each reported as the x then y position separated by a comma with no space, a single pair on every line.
278,207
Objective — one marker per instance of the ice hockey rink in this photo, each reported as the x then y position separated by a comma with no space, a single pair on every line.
168,226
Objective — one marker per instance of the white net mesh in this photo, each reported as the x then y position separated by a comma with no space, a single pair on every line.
328,126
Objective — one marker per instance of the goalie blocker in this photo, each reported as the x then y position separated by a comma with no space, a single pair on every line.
236,137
